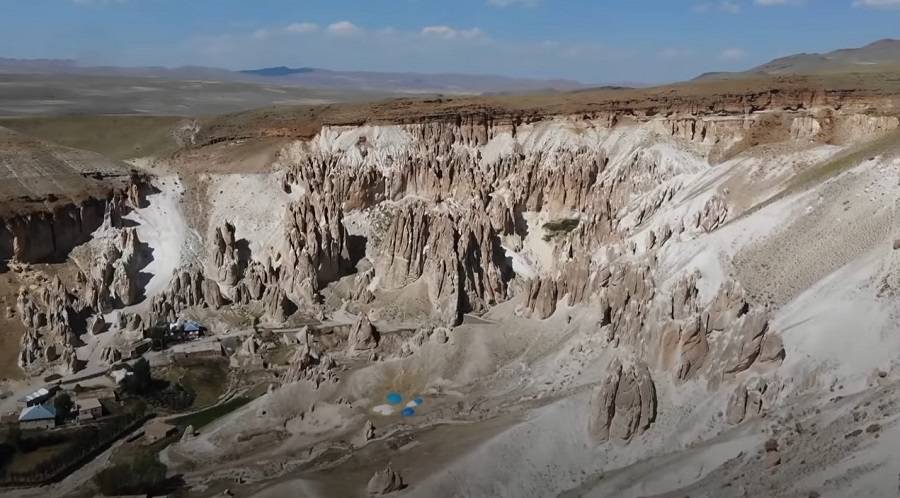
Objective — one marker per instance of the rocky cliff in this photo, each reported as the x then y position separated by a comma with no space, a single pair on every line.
613,266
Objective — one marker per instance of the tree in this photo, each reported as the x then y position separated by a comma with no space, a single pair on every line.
63,405
158,334
140,380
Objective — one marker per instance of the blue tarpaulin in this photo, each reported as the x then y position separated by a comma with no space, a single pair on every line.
192,326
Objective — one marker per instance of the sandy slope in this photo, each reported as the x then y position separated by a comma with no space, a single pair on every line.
162,226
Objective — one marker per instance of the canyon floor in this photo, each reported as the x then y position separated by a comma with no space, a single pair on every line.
680,291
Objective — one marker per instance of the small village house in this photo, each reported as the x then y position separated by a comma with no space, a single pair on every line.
197,351
37,417
106,394
89,409
184,331
38,397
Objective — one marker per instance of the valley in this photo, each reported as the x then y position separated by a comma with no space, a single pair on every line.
658,292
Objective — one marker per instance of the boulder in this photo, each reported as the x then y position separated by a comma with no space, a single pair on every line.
772,350
368,431
750,331
693,347
384,482
624,404
747,401
96,325
713,214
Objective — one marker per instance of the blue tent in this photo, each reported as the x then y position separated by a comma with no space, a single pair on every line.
394,398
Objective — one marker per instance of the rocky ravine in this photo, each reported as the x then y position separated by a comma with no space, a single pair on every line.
585,270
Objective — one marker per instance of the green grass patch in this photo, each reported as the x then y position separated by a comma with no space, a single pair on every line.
205,417
207,381
117,137
282,354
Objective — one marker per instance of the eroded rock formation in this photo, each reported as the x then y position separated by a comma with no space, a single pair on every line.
310,365
52,316
188,288
113,280
226,256
363,336
741,332
624,404
750,399
40,235
384,482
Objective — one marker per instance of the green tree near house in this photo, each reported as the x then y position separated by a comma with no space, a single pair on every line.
63,405
140,381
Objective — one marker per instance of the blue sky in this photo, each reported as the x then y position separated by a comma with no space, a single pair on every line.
589,40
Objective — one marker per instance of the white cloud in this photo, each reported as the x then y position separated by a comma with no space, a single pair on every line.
261,34
513,3
729,6
302,27
732,54
878,4
432,49
343,28
449,33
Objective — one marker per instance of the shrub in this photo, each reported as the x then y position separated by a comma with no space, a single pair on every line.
173,397
142,475
559,228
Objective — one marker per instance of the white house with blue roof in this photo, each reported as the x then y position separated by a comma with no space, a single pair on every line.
38,417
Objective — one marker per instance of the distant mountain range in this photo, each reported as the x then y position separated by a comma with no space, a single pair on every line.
880,56
304,77
278,71
68,66
408,82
